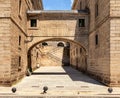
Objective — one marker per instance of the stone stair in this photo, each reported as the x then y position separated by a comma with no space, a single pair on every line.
53,56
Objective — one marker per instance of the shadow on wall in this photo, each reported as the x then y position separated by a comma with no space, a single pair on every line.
78,57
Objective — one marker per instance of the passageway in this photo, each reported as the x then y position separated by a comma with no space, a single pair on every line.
60,80
57,52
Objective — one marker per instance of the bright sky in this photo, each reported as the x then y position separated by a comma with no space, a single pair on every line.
57,4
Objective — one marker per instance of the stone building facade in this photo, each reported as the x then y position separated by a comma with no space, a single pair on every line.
104,39
91,28
59,26
13,33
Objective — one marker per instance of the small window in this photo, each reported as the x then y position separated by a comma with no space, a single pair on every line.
96,40
60,44
19,40
80,50
20,6
76,50
96,10
81,22
44,44
19,60
37,55
33,23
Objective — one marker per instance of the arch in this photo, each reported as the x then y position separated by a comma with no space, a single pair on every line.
60,44
44,43
51,39
57,39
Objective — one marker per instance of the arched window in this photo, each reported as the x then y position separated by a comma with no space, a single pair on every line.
45,44
60,44
80,50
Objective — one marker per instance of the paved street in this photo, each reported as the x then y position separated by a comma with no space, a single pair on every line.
64,81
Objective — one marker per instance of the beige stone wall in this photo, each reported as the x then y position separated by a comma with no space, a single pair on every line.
5,53
5,10
99,55
114,8
103,59
18,28
115,41
13,19
115,50
66,27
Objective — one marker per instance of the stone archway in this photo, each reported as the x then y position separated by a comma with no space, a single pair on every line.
75,47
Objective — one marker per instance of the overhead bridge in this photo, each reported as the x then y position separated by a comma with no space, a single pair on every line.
58,24
58,13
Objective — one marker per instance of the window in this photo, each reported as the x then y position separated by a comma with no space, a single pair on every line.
19,40
44,44
80,50
33,23
37,55
96,10
19,7
60,44
19,60
81,22
96,40
76,50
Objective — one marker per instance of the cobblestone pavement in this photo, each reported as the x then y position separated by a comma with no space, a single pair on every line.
61,81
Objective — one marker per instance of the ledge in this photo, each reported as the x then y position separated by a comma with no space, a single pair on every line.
32,12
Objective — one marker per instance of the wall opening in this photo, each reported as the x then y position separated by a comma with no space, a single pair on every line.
33,23
56,52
